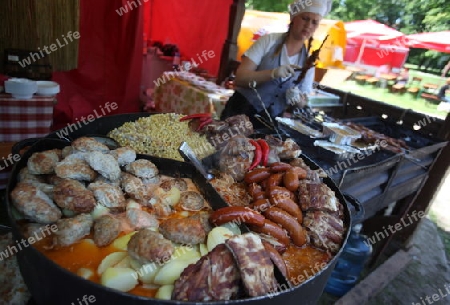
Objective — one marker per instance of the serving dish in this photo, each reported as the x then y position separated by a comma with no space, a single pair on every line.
21,88
47,88
51,284
340,134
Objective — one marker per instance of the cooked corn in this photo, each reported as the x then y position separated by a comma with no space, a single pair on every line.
161,135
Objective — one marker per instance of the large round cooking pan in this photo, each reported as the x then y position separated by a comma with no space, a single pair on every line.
51,284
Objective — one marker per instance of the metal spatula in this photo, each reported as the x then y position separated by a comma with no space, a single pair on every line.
189,156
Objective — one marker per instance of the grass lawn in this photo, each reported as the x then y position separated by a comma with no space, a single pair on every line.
405,100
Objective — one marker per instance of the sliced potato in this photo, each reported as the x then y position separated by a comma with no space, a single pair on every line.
171,271
122,242
110,261
135,264
148,272
203,249
171,197
99,210
233,227
164,292
86,273
216,236
123,279
125,263
185,252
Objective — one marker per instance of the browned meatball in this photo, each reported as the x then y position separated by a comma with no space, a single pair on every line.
108,195
142,168
124,155
73,195
71,230
77,169
87,144
203,217
147,246
179,183
134,186
104,164
192,201
139,219
43,162
183,231
34,204
106,229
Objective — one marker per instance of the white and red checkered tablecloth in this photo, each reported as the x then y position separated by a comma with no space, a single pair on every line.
21,119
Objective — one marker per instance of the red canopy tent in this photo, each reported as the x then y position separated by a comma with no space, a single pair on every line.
372,43
438,41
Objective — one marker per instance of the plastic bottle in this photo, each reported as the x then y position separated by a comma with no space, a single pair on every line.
350,264
176,62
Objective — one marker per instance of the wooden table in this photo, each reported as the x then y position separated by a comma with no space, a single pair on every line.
389,76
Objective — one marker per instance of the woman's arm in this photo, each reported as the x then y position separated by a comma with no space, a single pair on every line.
247,73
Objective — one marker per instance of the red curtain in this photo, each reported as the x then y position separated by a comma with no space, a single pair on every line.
196,27
109,63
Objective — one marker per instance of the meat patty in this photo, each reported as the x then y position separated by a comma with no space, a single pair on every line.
87,144
124,155
201,282
25,176
134,187
191,201
147,246
72,230
203,217
105,165
108,195
179,183
325,231
76,169
142,168
141,219
34,204
106,230
254,263
183,231
43,162
73,195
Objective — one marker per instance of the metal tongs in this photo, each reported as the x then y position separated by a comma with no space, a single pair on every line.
189,156
269,124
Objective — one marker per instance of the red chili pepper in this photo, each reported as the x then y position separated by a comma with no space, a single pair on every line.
195,116
258,154
203,124
265,151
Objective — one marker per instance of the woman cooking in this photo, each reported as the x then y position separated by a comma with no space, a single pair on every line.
273,63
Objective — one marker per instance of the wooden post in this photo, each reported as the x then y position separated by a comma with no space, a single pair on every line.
229,50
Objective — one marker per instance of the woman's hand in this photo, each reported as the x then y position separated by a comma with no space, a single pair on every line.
284,71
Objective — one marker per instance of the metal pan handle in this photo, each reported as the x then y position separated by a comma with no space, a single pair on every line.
357,210
17,147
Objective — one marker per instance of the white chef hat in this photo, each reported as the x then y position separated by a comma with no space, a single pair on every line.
321,7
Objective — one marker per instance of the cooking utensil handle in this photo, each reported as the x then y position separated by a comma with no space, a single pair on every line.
357,210
17,147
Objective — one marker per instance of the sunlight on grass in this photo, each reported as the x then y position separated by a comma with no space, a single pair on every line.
406,100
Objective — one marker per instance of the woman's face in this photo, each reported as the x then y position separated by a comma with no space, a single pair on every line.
304,25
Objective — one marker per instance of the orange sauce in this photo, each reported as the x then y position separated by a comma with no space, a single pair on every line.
302,263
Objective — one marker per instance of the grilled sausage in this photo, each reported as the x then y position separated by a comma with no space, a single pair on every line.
290,180
301,172
261,205
274,180
237,215
272,229
258,196
279,167
257,175
289,223
253,188
286,204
